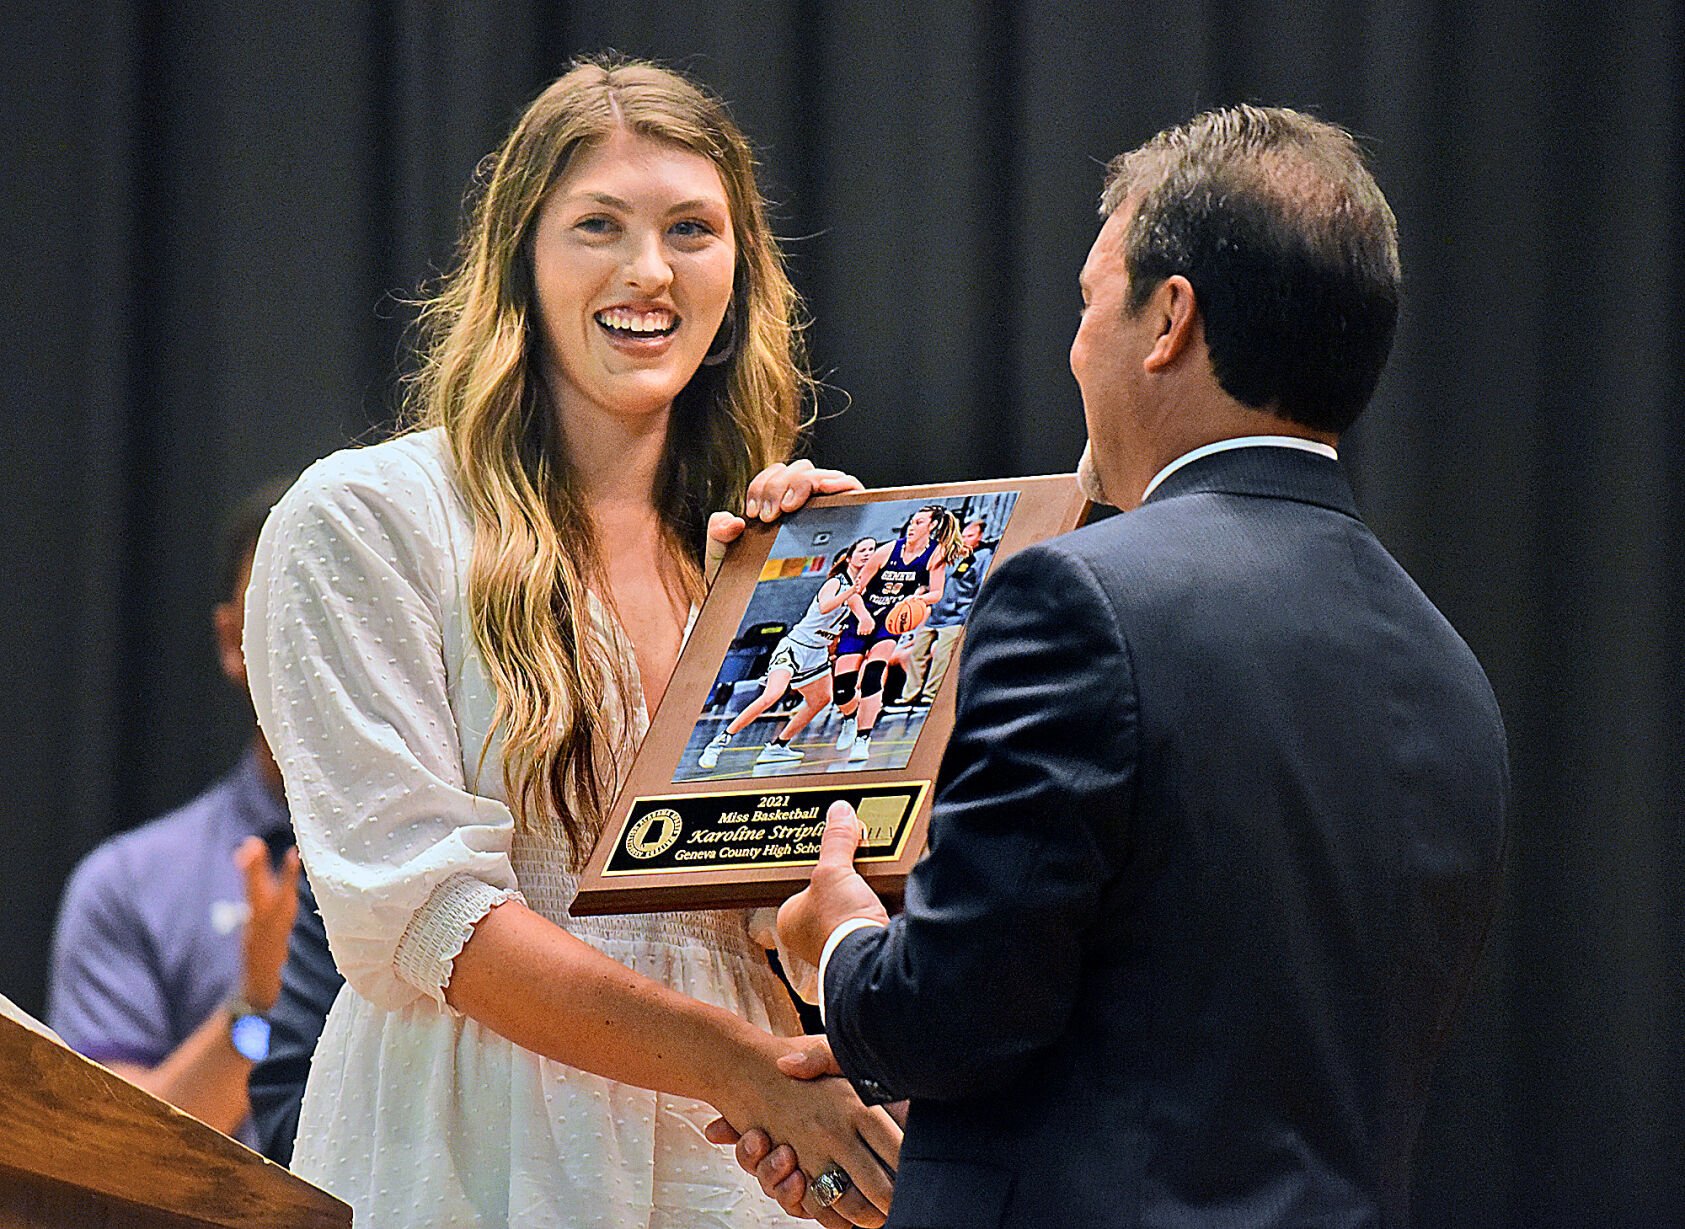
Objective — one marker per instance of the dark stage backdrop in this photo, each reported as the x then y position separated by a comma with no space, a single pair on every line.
214,211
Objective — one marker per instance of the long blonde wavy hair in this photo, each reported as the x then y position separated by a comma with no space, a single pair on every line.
535,560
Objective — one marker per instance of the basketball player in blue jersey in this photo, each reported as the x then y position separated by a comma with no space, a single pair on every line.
915,564
803,658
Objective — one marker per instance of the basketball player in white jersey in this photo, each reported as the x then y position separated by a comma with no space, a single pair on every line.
803,659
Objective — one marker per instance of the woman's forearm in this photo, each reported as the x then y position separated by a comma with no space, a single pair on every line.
531,981
547,991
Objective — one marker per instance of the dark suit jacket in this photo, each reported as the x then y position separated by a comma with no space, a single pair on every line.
1215,848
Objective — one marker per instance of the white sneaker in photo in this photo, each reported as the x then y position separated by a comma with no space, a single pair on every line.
711,753
861,749
772,753
845,740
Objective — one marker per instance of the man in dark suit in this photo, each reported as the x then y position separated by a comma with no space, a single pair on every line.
1218,832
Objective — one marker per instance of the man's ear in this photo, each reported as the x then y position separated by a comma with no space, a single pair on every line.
228,618
1177,315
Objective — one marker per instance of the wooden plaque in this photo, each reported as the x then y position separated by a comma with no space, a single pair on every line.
742,828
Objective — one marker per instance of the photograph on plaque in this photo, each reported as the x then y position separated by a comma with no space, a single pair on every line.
822,668
855,620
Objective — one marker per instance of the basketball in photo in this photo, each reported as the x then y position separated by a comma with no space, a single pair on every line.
906,614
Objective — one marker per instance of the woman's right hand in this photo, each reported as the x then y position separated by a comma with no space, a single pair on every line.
777,489
825,1123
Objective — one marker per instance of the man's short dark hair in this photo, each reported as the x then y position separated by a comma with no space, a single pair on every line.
1289,245
237,537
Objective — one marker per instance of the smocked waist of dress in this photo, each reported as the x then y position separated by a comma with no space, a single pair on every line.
725,931
550,886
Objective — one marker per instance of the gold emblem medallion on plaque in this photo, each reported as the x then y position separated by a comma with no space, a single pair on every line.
653,833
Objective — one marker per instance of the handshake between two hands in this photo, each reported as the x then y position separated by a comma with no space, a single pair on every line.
861,1168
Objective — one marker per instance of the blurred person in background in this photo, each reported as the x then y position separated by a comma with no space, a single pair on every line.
309,982
170,938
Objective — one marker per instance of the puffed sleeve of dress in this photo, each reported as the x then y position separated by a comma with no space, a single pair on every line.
345,656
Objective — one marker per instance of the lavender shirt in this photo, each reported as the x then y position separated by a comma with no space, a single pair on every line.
148,937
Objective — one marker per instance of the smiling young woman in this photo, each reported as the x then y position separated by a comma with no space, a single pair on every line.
456,638
633,258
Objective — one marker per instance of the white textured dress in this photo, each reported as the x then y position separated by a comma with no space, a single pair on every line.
375,699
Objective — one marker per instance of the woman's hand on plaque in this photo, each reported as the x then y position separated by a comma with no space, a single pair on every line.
777,489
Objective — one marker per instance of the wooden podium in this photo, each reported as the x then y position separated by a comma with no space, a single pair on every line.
81,1147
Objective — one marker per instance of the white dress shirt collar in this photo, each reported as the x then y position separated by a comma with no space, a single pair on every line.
1243,441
